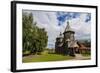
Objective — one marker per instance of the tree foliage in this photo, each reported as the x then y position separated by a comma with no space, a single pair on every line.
34,38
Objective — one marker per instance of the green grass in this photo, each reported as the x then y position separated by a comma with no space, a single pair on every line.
26,52
45,58
86,55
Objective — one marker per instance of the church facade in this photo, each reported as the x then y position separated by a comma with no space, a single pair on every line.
65,43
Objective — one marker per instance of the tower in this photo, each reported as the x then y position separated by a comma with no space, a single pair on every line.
68,40
68,33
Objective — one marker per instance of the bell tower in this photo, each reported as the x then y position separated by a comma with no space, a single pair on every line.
68,33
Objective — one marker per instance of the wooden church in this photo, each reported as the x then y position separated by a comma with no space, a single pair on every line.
65,43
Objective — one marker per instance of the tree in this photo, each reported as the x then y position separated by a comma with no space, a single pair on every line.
34,38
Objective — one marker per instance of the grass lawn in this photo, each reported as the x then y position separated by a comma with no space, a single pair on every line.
45,58
86,55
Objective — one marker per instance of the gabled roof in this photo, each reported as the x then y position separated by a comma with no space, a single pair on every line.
82,46
73,44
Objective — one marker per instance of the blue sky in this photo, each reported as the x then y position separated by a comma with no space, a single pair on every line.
55,22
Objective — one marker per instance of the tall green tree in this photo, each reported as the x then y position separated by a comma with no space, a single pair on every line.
34,38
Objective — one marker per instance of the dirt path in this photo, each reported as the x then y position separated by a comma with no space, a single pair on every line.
80,57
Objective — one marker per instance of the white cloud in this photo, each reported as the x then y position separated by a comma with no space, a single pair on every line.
48,21
81,28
